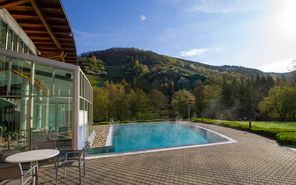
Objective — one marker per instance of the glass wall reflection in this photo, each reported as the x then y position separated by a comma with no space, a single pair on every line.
36,104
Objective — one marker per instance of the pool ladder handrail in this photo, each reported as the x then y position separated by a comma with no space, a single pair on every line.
111,121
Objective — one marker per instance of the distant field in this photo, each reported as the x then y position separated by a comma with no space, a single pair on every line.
283,132
94,80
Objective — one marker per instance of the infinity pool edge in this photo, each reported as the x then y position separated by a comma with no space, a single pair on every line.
109,140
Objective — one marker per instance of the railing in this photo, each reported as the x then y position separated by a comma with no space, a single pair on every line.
111,121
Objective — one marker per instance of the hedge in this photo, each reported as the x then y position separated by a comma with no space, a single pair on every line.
284,136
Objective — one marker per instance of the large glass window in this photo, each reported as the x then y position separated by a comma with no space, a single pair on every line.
9,39
52,109
26,49
85,112
43,82
4,65
81,92
14,103
52,120
19,77
2,34
15,42
20,46
41,92
63,80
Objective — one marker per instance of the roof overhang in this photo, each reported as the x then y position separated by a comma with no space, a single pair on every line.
46,24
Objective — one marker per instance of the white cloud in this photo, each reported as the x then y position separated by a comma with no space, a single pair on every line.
194,52
280,66
219,49
223,6
142,18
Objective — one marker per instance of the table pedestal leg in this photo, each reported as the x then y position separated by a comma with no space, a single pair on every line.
34,171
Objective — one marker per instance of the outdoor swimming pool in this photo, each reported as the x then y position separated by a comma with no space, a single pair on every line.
136,137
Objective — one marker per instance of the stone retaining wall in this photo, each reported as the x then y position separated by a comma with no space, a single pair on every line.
101,135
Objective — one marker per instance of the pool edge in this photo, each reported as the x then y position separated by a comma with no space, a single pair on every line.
230,140
109,136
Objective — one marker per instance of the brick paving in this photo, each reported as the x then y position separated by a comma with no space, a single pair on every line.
252,160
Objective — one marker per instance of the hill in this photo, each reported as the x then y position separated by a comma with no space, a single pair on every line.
149,68
147,85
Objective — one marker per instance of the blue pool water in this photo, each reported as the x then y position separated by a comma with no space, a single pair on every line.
135,137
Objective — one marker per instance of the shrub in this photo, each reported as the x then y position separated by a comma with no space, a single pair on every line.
267,132
286,138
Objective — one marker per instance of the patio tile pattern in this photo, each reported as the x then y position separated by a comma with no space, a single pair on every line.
252,160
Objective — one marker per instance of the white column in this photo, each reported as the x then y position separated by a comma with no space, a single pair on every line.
76,105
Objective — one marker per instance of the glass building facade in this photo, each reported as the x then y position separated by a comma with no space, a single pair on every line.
11,40
40,99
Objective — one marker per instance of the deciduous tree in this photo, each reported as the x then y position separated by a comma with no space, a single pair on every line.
100,104
280,103
183,102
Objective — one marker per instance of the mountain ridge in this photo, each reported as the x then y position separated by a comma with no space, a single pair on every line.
117,64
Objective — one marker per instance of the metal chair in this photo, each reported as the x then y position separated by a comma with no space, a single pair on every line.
48,144
72,158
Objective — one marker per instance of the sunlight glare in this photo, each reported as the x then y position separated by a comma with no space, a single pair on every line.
285,19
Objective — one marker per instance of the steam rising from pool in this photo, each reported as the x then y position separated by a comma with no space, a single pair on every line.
135,137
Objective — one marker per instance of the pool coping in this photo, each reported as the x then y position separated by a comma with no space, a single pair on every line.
109,136
109,143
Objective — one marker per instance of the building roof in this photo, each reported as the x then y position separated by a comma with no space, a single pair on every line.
46,23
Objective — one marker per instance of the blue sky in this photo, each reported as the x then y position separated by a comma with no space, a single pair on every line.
253,33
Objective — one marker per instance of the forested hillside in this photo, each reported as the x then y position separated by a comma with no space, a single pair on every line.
135,84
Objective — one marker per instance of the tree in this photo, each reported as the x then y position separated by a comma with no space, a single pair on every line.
229,90
100,104
212,92
199,94
182,102
212,100
138,103
246,99
93,59
294,72
280,103
139,68
159,102
117,106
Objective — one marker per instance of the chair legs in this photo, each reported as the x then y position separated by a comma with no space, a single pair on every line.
56,167
84,169
79,175
65,173
56,175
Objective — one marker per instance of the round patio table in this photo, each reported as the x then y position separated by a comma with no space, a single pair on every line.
33,157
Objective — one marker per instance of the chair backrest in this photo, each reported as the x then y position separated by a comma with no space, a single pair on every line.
48,144
85,150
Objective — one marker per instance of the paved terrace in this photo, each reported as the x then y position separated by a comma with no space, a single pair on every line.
252,160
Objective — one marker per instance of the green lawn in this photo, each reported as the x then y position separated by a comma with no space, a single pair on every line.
94,80
283,132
